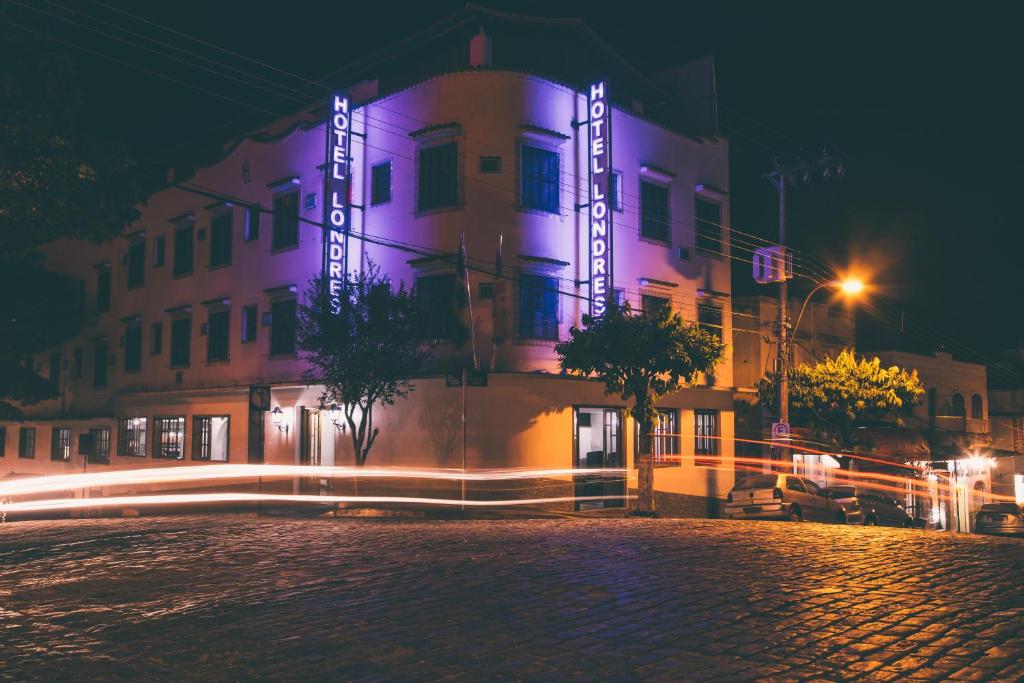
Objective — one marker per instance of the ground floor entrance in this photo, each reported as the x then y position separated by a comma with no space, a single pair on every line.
597,444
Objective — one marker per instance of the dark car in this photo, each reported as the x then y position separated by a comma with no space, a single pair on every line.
883,510
1000,519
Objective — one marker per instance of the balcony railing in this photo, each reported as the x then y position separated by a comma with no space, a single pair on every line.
960,423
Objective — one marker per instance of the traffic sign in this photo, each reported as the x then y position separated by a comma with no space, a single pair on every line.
780,431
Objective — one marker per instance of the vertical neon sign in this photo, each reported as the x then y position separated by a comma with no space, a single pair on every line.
600,154
336,198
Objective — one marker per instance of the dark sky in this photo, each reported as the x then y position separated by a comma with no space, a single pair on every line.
922,104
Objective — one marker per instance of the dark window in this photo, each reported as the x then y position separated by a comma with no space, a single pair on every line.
540,180
159,251
136,263
131,437
282,327
490,164
654,200
102,290
436,297
664,438
705,437
80,294
249,324
27,442
55,362
286,221
932,401
380,183
169,438
156,339
3,441
538,307
958,406
615,191
220,240
99,446
181,341
709,317
795,484
210,438
60,444
183,251
252,223
438,177
77,362
217,336
133,348
977,411
708,217
652,303
99,365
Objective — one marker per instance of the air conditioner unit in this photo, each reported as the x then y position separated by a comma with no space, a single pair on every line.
772,264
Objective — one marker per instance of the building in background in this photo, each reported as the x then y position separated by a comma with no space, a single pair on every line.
470,127
1006,414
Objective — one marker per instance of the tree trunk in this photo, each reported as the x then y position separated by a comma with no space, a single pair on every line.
643,413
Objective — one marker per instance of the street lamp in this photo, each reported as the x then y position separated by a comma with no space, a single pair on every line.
849,286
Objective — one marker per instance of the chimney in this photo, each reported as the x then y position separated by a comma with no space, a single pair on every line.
480,50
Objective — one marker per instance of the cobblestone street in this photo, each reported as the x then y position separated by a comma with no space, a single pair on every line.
235,597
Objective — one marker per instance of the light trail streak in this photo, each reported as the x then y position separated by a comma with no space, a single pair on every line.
193,498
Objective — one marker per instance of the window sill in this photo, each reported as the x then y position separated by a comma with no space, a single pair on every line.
132,288
178,276
539,212
217,361
219,266
26,457
284,249
658,241
420,213
181,367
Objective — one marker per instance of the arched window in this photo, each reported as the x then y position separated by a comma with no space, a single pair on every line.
976,407
958,405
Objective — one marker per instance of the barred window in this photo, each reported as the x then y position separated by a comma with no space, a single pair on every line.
60,444
540,179
27,442
708,221
217,340
538,307
380,183
99,446
169,438
705,437
709,317
438,177
664,437
210,438
286,222
654,211
131,437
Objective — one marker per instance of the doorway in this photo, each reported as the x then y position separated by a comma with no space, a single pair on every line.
597,443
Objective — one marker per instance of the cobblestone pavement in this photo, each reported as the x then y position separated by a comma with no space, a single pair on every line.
236,597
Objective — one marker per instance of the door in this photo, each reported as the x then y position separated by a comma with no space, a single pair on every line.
817,503
796,495
597,443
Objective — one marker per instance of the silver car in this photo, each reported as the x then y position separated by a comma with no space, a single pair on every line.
1000,519
787,496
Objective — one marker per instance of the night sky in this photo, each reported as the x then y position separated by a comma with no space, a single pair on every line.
922,105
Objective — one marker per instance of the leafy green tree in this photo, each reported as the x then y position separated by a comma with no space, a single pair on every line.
365,354
641,357
835,396
58,179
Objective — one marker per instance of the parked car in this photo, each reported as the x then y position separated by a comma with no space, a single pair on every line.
1000,519
845,504
880,509
787,496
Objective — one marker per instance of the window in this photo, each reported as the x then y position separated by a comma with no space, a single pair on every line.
183,251
705,437
958,405
540,182
708,221
812,488
79,294
977,411
210,438
217,336
380,183
664,438
136,263
709,317
60,444
282,327
249,324
490,164
650,302
99,446
77,362
794,484
169,438
55,362
252,223
159,251
156,339
99,365
131,437
286,221
654,211
3,441
220,240
436,297
27,442
615,191
538,307
133,348
102,290
181,341
438,177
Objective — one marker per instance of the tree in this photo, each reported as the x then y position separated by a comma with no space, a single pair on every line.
365,354
836,395
641,357
58,179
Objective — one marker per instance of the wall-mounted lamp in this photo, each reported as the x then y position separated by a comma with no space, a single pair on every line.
276,417
336,417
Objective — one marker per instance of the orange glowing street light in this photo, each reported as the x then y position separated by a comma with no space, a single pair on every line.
851,286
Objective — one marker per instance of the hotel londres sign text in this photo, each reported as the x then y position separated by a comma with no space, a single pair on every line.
600,152
337,210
